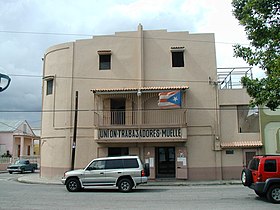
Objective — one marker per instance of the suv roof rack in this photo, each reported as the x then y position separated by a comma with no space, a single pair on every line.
268,155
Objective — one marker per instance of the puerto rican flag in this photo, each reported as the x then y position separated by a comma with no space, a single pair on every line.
169,100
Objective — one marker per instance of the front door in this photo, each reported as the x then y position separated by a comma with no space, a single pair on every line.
94,174
117,111
165,162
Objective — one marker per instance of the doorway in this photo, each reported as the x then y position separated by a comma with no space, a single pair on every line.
117,151
117,111
249,156
165,162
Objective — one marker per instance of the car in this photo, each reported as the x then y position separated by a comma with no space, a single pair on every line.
22,166
263,176
123,172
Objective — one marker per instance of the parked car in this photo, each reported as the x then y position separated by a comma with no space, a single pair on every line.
124,172
22,166
263,176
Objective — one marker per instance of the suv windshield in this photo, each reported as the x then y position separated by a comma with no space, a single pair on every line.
254,164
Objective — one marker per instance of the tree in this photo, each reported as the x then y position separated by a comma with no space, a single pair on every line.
261,19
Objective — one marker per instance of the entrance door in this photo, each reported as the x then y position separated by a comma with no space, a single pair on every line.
118,111
165,162
249,156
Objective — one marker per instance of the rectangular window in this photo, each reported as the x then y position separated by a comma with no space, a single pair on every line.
105,62
178,59
130,163
254,164
114,164
229,152
248,119
49,87
270,166
96,165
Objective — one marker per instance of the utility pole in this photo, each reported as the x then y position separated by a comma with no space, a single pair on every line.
75,132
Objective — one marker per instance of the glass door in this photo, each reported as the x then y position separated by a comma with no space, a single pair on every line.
165,162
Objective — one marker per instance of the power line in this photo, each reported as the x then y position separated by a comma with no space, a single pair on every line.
113,36
110,79
124,79
95,110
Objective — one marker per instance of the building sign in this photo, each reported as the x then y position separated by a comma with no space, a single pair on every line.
140,133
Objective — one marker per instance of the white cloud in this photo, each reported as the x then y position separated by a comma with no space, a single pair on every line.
138,9
21,53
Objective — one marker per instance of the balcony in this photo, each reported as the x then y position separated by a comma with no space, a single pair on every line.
142,118
230,78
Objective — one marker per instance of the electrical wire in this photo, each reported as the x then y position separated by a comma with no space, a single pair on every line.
115,36
224,108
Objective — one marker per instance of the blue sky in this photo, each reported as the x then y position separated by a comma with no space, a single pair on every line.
21,53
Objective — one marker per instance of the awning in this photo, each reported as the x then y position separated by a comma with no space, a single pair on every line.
137,90
241,144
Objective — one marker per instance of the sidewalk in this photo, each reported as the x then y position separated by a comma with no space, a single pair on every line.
36,179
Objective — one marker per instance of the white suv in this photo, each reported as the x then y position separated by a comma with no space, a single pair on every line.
124,172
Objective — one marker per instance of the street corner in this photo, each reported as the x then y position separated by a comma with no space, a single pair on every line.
35,178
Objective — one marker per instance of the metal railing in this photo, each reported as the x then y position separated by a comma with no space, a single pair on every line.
6,160
230,78
143,117
32,159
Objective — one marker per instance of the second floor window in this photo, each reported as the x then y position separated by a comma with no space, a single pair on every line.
178,59
104,59
49,87
177,54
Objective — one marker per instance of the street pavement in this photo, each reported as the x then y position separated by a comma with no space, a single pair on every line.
35,178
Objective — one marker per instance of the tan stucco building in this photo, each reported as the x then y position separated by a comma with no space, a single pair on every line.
122,82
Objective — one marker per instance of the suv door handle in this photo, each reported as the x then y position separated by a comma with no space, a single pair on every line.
119,172
101,172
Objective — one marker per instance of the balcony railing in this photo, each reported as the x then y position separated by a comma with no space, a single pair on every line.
230,78
143,117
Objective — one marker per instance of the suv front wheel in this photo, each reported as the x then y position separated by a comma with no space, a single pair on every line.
73,185
273,194
125,185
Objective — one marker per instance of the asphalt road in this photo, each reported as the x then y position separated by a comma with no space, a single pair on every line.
15,195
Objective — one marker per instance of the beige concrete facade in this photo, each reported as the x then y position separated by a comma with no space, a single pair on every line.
118,110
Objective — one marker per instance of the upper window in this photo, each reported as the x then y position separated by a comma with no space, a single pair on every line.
49,86
177,56
104,59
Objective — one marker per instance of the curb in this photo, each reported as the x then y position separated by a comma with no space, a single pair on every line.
29,179
46,182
